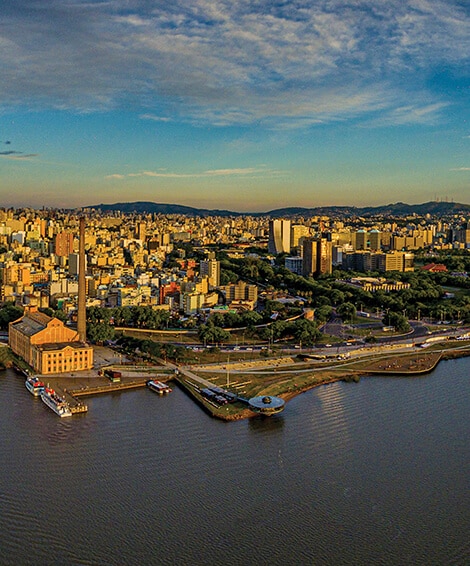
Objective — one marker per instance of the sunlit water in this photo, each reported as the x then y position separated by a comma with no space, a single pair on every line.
370,473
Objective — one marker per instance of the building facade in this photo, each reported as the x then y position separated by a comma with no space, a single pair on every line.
211,268
47,345
317,256
279,236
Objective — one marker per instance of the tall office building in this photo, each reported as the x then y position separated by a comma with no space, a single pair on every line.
279,236
317,256
297,232
374,240
361,240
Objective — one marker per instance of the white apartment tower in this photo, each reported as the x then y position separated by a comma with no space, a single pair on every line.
279,236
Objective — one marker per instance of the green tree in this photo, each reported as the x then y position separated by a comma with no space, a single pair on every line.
347,311
397,320
322,314
9,313
306,331
99,332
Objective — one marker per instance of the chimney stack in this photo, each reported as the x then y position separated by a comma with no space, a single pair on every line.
81,320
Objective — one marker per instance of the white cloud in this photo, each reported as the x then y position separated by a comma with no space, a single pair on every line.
410,114
460,169
19,157
247,171
229,62
154,118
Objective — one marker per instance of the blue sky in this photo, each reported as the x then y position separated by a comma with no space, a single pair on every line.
247,105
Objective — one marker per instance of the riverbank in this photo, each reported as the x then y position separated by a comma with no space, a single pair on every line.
284,377
392,371
287,385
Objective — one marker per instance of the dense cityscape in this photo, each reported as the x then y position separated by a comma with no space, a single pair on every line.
234,283
201,285
186,268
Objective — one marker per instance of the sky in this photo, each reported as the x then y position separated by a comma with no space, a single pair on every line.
248,106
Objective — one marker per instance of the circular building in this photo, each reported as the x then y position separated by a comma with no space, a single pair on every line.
266,405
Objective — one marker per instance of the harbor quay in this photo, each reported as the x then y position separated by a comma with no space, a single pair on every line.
233,391
74,386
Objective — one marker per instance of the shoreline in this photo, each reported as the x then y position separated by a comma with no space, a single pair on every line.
76,386
449,355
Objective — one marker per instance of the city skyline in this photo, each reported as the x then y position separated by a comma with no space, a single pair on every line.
246,107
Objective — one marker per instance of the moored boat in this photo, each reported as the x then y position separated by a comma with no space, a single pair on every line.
56,403
34,385
158,386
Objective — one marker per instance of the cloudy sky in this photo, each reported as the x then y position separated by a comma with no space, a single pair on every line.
248,105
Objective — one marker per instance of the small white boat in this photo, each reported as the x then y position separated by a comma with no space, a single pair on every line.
158,386
56,403
34,385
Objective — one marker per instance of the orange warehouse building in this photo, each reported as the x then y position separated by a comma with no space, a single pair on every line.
47,345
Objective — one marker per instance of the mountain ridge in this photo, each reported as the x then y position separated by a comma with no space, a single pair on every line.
392,209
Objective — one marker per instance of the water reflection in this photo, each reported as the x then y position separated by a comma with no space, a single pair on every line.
263,425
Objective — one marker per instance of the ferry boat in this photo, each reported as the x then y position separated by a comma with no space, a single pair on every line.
34,385
56,403
158,386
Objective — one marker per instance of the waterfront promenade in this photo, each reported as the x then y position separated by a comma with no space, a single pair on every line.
284,376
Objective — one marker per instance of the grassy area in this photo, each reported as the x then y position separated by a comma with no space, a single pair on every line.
288,380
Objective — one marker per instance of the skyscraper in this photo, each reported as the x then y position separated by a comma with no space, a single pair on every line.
141,231
279,236
317,256
361,240
374,240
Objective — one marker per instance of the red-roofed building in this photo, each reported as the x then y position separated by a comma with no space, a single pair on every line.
434,268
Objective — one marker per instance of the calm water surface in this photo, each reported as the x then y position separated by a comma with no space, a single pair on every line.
370,473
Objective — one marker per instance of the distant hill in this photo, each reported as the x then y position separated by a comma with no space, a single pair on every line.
157,208
398,209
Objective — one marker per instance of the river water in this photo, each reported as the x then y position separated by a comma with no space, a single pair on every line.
370,473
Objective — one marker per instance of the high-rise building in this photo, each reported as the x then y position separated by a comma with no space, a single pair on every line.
141,231
211,268
374,240
297,232
361,240
294,264
74,264
325,255
279,236
317,256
